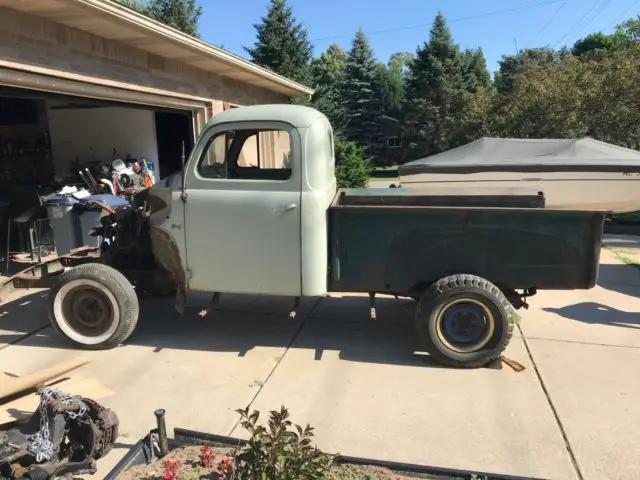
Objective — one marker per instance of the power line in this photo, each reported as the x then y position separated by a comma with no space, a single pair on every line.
604,5
460,19
593,5
626,10
555,14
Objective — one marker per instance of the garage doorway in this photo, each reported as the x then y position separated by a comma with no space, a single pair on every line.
173,130
46,138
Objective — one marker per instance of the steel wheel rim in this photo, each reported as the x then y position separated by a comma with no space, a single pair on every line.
90,294
465,325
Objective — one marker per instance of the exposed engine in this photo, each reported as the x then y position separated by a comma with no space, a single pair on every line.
127,245
64,437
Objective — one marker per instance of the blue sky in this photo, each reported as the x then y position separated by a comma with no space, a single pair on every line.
553,23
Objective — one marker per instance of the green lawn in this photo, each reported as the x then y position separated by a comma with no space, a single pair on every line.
384,173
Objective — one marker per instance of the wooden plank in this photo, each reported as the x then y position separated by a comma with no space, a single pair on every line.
22,408
13,386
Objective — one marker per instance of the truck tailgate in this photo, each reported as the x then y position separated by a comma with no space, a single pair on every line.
393,246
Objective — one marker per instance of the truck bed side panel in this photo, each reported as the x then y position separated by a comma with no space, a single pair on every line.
399,249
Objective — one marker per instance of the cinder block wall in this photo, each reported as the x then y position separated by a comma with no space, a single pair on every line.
37,41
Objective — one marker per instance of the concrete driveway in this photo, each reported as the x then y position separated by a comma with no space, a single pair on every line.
571,414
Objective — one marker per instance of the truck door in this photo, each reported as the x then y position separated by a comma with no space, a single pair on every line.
242,214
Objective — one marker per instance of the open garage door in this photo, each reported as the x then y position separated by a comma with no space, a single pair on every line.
47,134
78,130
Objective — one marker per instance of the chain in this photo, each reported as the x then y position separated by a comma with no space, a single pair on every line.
40,444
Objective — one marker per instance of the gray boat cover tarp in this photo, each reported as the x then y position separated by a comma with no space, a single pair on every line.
515,154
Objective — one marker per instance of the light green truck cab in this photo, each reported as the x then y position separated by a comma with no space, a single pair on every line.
256,210
254,219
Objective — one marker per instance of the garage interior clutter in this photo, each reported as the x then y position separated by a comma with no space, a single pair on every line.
58,152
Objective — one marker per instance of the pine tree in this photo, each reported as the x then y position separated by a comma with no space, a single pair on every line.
435,95
327,73
282,43
362,98
476,74
183,15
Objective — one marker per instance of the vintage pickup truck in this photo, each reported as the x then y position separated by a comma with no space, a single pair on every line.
256,210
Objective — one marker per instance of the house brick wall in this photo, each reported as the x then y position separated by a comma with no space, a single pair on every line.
37,41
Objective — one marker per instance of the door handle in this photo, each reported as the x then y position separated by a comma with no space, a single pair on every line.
284,208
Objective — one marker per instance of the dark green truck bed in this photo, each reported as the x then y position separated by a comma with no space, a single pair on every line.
398,241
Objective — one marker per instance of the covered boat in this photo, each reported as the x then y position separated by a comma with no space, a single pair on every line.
578,174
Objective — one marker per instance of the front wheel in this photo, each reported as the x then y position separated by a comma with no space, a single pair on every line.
464,321
94,306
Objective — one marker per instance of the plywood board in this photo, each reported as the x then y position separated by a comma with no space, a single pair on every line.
12,386
22,408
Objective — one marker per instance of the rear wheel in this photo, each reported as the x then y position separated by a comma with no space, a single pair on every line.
94,306
464,321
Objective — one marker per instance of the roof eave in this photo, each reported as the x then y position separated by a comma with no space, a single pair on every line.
125,14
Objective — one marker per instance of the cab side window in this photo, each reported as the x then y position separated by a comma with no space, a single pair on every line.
248,155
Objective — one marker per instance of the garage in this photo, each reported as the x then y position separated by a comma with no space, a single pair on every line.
87,82
47,138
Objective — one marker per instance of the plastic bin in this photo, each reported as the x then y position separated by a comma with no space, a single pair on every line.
63,223
89,216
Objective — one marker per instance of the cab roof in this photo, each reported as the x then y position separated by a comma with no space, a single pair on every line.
296,115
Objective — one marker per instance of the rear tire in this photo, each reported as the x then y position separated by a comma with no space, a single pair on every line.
464,321
94,306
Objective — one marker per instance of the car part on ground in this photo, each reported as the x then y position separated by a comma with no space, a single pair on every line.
66,435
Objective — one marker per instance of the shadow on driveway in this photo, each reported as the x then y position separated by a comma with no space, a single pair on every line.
342,325
620,277
597,313
22,316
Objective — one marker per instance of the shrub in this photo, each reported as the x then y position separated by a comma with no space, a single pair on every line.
352,167
279,452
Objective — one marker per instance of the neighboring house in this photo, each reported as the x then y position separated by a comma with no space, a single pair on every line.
391,132
88,78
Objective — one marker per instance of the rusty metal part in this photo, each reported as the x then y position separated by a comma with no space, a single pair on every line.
78,441
517,367
167,255
42,274
106,425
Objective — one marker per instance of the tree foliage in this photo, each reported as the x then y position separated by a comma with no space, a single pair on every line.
597,45
361,97
475,73
137,5
574,98
435,94
352,166
327,73
282,43
183,15
392,82
510,65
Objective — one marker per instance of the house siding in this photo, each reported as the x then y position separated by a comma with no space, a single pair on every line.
36,41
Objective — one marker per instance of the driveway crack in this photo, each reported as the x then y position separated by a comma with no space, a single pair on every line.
563,432
277,364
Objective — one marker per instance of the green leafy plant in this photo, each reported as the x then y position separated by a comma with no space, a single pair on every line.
279,451
352,167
